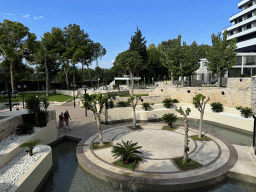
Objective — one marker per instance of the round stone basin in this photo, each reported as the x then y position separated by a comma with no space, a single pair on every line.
157,144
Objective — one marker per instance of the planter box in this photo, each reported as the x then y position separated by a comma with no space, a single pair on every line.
33,177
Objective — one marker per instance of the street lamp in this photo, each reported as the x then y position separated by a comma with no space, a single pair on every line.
144,82
14,94
152,81
74,93
98,83
25,86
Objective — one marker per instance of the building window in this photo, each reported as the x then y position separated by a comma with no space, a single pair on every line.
249,5
250,60
249,15
239,60
239,30
249,26
231,32
249,71
235,21
239,20
234,72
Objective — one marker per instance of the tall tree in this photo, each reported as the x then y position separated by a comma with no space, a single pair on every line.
131,61
15,40
153,59
221,56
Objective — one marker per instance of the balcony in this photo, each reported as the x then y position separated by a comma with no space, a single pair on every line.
240,24
246,43
245,32
241,3
242,13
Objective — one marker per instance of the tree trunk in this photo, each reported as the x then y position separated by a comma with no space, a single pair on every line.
30,151
172,79
182,81
185,141
189,79
200,125
154,73
168,74
47,77
132,102
100,132
12,75
66,73
219,80
89,75
82,74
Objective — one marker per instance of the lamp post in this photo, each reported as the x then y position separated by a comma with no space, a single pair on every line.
20,86
144,82
5,93
152,81
74,93
98,83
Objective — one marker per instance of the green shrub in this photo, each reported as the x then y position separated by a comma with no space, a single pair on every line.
25,129
127,103
145,106
45,102
167,103
238,107
127,151
151,103
31,145
169,118
111,104
217,107
247,112
175,101
43,116
243,75
121,104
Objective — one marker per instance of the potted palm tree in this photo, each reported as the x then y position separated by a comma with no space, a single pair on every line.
127,152
31,145
169,118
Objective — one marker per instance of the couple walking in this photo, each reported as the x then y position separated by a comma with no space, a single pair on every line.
64,121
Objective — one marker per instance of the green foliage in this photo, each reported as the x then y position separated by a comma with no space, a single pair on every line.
221,56
91,100
247,112
243,75
217,107
111,104
111,95
196,100
32,104
151,103
181,111
127,151
175,101
99,127
43,116
31,145
145,106
168,103
169,118
186,160
238,107
124,103
45,102
25,129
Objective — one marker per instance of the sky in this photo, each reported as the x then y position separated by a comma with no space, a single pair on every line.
113,22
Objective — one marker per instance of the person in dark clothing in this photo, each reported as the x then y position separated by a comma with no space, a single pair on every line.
61,121
66,119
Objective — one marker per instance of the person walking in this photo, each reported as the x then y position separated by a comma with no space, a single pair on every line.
66,118
61,121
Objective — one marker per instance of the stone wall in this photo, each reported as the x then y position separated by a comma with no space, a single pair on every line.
141,91
253,94
8,125
236,83
67,92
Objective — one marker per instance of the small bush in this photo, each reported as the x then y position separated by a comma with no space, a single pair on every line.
123,104
42,118
25,129
247,112
145,106
169,118
175,101
217,107
151,103
243,75
167,103
238,107
111,104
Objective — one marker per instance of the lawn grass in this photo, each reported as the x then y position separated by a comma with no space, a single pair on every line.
130,166
169,128
52,97
203,138
106,145
137,127
133,95
190,164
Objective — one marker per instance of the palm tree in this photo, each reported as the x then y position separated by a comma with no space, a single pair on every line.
127,151
167,103
169,118
31,145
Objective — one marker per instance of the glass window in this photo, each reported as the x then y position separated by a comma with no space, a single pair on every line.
239,60
239,20
234,72
249,15
231,32
250,60
249,26
235,21
239,30
249,70
249,5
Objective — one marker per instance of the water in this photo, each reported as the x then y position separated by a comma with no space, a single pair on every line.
235,137
68,176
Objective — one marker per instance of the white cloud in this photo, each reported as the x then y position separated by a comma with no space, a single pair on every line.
112,61
26,16
40,17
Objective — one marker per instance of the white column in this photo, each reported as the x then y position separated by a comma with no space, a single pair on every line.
180,78
242,65
198,77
